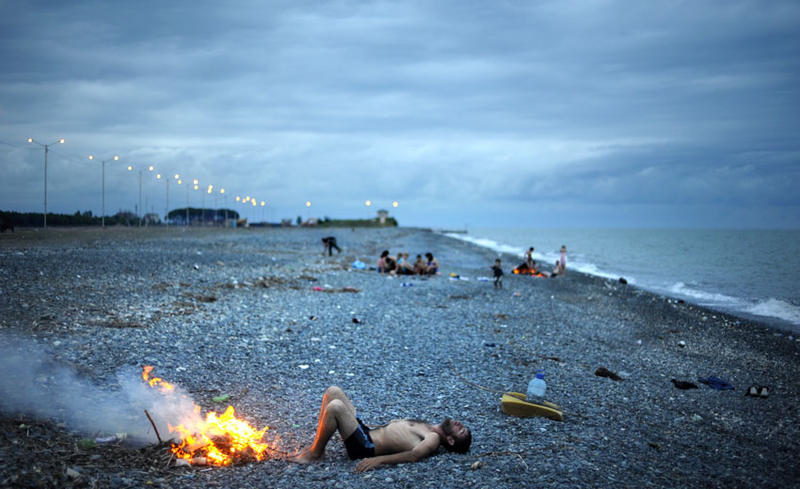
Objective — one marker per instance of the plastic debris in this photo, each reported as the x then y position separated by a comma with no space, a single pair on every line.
221,398
716,383
86,443
111,439
604,372
680,384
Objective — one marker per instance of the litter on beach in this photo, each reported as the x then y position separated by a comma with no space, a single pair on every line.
516,404
604,372
716,383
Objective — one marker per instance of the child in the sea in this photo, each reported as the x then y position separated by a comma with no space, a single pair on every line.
498,274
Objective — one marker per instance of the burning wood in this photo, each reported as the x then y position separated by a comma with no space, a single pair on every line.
215,440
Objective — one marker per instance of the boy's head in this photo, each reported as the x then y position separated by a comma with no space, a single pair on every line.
497,261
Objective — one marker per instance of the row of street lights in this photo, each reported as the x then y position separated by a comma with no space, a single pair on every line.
368,203
244,200
150,168
159,176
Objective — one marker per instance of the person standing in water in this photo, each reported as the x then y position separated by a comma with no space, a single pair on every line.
563,259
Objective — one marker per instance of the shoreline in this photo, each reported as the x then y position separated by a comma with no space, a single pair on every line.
97,302
740,307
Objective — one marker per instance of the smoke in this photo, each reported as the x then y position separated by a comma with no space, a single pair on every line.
32,383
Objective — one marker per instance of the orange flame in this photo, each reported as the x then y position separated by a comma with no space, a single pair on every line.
215,440
155,381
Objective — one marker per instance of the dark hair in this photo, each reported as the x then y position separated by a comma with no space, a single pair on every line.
385,253
460,445
429,255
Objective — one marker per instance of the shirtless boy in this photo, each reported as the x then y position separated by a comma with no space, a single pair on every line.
401,441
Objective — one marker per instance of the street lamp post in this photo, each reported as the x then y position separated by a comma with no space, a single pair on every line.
166,201
187,203
209,191
197,187
46,150
225,199
103,215
140,211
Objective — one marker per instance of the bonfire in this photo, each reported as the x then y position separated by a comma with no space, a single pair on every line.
214,440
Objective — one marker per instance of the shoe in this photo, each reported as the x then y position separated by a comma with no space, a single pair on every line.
753,390
763,392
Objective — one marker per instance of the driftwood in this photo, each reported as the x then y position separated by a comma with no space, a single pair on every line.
154,426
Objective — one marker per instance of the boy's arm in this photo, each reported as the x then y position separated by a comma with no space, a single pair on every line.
427,446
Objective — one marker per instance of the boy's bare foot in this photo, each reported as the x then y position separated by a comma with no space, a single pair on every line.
304,457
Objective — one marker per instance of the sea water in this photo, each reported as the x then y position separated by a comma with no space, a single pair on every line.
748,273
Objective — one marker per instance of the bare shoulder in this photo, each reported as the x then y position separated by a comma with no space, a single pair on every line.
427,445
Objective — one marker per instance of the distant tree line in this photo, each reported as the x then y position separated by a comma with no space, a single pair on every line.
121,218
35,219
356,223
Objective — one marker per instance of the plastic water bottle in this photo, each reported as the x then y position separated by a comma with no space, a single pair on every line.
536,387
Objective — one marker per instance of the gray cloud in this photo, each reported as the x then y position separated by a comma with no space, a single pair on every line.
475,113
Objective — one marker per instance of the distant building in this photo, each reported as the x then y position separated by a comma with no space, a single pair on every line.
382,215
152,218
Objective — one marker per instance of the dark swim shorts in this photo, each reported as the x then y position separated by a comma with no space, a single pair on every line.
359,444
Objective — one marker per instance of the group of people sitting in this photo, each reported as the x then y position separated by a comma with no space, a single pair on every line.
401,264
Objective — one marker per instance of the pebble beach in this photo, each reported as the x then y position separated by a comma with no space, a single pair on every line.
264,317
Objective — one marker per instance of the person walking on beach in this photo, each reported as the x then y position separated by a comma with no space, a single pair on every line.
329,243
563,259
400,441
497,269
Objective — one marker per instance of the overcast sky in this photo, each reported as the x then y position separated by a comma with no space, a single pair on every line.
467,113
